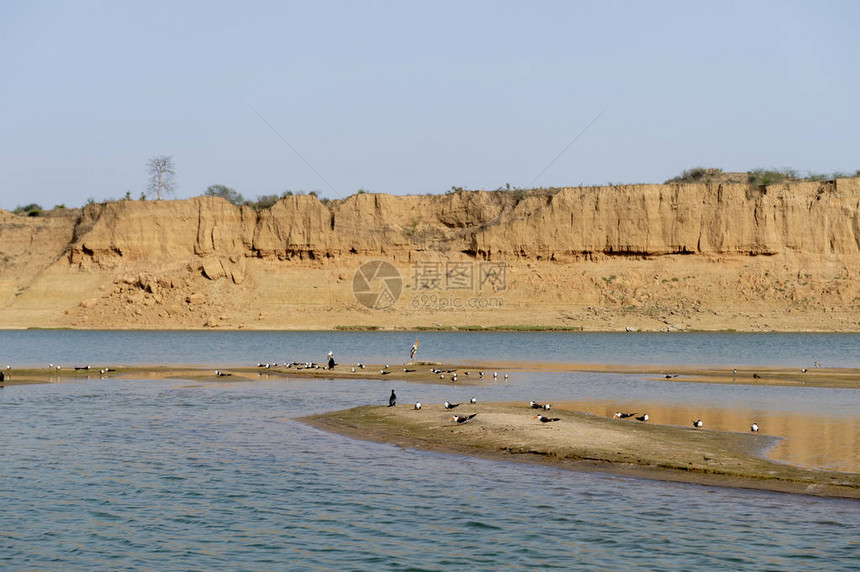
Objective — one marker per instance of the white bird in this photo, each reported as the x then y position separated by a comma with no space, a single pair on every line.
353,370
495,374
754,427
417,405
473,400
697,424
803,370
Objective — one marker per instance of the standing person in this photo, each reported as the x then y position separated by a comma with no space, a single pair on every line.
414,350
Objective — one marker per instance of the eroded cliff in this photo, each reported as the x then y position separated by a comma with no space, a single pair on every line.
646,256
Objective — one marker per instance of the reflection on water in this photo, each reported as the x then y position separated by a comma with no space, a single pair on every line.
830,443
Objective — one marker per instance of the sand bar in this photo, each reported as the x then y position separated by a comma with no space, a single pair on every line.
580,441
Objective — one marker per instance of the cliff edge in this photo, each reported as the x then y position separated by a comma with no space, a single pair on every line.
654,257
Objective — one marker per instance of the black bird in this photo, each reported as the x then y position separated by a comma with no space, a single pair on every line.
543,419
621,415
644,417
697,424
449,405
462,418
536,405
392,400
756,376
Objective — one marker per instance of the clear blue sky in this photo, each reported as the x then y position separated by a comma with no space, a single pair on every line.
402,97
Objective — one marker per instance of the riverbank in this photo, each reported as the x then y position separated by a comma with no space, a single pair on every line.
585,442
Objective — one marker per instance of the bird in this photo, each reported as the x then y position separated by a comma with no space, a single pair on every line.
621,415
454,377
392,400
353,370
535,405
756,376
495,374
697,424
817,364
383,372
462,418
643,417
754,427
449,405
413,350
543,419
408,370
222,373
473,400
417,405
506,376
803,370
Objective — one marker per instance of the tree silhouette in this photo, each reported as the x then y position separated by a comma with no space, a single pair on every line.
161,176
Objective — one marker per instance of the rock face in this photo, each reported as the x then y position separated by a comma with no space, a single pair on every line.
569,252
641,220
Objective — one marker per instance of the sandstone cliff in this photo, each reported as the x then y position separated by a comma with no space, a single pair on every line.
679,256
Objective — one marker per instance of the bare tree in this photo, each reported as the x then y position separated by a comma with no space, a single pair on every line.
161,175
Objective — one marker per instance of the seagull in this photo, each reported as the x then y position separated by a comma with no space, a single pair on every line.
449,405
697,424
392,400
417,405
473,400
462,418
543,419
621,415
644,417
754,427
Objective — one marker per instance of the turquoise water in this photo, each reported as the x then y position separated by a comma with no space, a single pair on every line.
178,475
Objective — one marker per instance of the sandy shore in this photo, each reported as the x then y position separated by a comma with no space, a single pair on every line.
421,372
580,441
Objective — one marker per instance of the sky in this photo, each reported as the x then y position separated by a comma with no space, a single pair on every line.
413,98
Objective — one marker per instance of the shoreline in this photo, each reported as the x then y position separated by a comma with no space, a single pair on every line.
503,432
420,372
